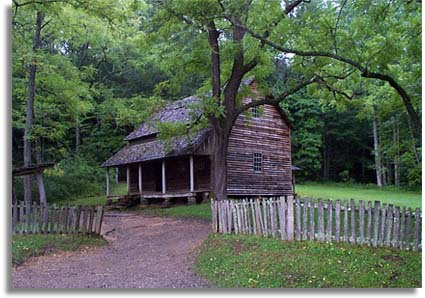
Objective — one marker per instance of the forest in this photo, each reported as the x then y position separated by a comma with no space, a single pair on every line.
347,73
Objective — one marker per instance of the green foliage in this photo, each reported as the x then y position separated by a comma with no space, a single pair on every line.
71,177
236,261
307,117
26,246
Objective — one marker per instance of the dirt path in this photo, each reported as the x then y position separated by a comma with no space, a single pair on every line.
143,252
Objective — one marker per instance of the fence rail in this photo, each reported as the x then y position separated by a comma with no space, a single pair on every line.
334,221
39,219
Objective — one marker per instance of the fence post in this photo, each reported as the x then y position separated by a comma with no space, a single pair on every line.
408,228
329,222
282,218
297,219
265,219
14,217
417,229
396,226
320,221
346,221
290,218
312,219
41,218
369,222
383,221
27,217
305,219
353,221
361,220
229,216
389,226
402,227
337,220
376,223
260,224
99,219
34,214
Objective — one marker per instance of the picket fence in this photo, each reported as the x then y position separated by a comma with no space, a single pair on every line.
39,219
291,218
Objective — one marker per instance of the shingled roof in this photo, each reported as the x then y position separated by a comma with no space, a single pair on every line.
184,110
156,149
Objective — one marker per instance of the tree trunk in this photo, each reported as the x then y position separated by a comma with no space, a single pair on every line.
412,135
219,165
29,117
325,159
39,175
378,165
396,140
41,189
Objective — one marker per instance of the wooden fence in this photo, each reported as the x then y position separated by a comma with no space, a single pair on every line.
306,219
35,219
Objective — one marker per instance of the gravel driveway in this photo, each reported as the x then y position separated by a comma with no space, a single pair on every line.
143,252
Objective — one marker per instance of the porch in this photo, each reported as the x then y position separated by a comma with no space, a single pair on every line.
166,180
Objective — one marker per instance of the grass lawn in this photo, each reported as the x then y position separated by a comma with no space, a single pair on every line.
360,192
26,246
116,189
233,261
202,211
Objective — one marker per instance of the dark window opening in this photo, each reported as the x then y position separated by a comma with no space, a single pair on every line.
255,111
258,162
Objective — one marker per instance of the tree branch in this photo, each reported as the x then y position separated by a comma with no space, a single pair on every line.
364,73
291,6
274,100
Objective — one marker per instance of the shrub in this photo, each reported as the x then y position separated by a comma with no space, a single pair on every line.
71,177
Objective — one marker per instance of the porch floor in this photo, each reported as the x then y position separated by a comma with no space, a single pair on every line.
160,195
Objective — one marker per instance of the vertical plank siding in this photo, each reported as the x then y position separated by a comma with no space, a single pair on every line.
40,219
290,219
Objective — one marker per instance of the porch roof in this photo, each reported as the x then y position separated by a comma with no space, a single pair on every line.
156,149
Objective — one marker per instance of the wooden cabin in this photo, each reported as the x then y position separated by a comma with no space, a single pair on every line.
259,156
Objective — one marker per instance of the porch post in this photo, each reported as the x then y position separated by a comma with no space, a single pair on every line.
164,189
140,178
192,181
107,182
128,179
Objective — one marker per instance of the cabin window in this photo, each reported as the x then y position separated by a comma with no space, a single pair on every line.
255,111
258,162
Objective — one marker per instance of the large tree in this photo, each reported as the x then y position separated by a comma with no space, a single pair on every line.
244,37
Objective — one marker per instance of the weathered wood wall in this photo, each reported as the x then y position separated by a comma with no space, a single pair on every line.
269,135
177,174
202,172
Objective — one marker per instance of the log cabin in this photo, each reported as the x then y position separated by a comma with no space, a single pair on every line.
157,170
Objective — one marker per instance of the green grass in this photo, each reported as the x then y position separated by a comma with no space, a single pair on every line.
233,261
116,189
201,211
360,192
26,246
84,201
